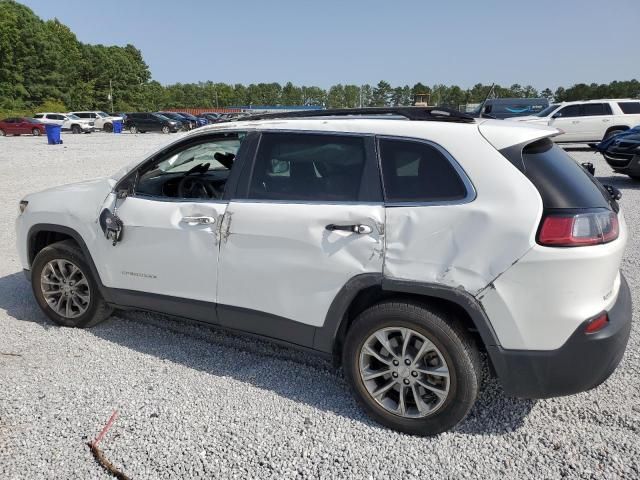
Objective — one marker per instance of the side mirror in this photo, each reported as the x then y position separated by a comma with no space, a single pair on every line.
111,226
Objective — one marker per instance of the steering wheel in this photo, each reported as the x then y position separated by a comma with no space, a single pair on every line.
194,187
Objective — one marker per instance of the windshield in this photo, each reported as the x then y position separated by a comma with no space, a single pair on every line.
161,116
547,111
32,120
102,114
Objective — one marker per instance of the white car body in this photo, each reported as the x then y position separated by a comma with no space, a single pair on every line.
587,121
102,121
273,268
66,121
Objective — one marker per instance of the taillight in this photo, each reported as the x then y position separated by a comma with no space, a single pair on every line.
580,229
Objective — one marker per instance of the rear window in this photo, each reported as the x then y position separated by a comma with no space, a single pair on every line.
561,181
629,107
593,109
418,172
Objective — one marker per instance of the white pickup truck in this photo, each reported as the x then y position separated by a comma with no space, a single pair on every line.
587,120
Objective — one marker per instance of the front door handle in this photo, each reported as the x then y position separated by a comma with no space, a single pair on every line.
199,220
357,228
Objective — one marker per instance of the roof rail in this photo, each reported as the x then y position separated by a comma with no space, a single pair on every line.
410,113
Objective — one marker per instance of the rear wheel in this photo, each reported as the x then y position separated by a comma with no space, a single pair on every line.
65,288
76,129
166,129
108,127
3,133
36,132
612,133
412,368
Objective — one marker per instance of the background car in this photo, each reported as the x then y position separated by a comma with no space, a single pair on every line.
589,120
622,152
102,120
151,122
511,107
186,123
20,126
193,119
72,123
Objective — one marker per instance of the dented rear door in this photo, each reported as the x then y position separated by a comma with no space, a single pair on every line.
309,222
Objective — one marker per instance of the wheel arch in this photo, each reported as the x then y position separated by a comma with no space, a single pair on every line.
616,127
364,290
42,235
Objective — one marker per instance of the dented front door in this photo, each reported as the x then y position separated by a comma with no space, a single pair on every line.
291,259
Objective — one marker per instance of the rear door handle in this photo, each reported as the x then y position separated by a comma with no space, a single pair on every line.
199,220
575,121
357,228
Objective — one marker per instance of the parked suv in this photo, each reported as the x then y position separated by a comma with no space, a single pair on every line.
69,122
403,247
588,121
102,120
622,152
151,122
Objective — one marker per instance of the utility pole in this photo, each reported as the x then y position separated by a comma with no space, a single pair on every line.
111,94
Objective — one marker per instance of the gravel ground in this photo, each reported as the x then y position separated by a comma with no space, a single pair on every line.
195,402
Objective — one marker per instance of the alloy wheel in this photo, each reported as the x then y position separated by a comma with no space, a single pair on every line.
65,288
404,372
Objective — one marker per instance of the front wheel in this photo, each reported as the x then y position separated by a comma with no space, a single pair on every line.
64,287
108,127
166,129
36,132
412,368
133,129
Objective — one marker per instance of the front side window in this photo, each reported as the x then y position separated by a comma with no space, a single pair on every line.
308,167
198,171
415,171
570,111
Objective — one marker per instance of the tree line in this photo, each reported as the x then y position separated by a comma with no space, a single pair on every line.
43,66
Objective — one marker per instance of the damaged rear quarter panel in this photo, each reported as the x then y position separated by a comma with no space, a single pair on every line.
466,245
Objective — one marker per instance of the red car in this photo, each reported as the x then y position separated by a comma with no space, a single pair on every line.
21,125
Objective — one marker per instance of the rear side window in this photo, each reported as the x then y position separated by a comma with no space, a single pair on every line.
592,109
308,167
629,107
418,172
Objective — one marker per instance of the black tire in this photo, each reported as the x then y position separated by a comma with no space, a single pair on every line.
108,127
133,129
97,309
611,133
451,339
36,132
76,129
3,133
166,129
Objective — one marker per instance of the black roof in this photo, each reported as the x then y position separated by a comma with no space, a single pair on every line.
410,113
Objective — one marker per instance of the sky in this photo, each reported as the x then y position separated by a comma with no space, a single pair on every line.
544,43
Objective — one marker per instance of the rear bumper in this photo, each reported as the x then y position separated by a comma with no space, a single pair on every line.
582,363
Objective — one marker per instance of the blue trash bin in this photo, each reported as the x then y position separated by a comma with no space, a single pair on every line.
117,126
53,134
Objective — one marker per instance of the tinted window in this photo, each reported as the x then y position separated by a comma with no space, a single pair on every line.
629,107
418,172
38,115
308,167
591,109
570,111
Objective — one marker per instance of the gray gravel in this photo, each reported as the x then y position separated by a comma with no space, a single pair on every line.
195,402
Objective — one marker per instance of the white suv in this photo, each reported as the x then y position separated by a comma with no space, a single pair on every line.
69,122
402,245
587,121
103,121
